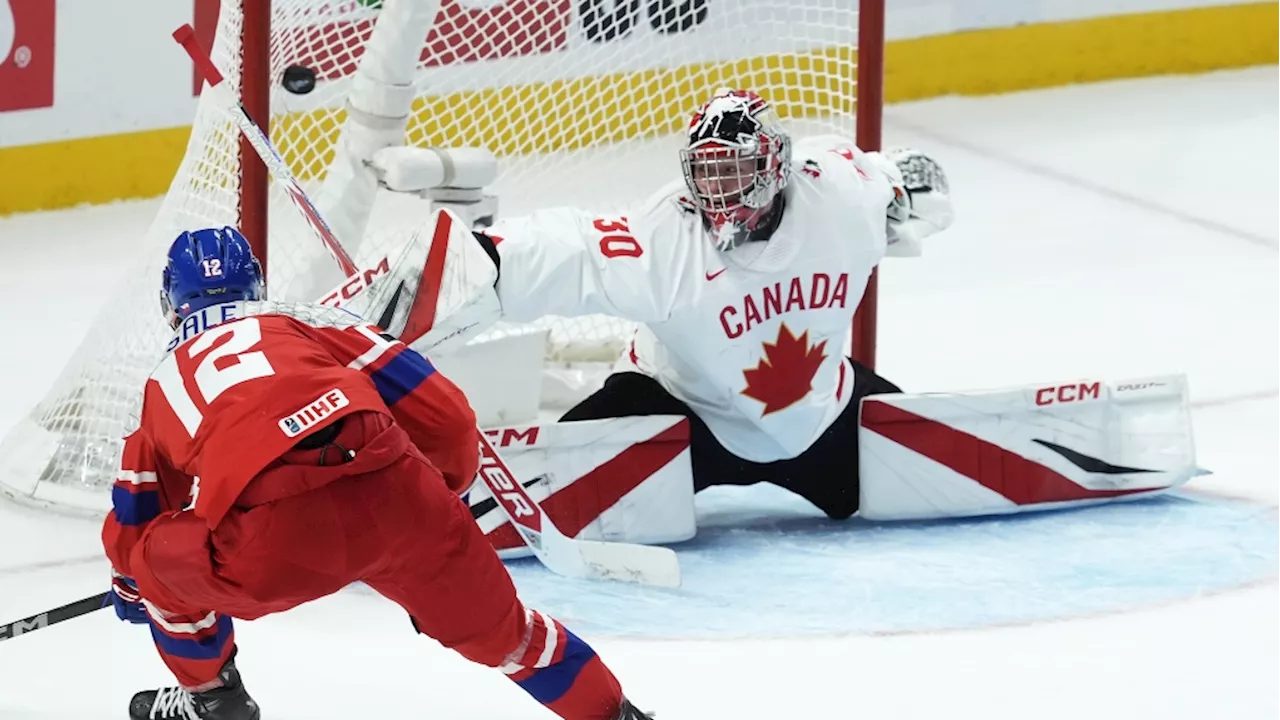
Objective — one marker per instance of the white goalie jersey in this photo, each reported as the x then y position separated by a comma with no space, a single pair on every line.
751,338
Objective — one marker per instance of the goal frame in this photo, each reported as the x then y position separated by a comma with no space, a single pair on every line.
256,92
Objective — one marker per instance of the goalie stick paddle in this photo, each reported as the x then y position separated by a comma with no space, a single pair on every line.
54,616
561,554
564,555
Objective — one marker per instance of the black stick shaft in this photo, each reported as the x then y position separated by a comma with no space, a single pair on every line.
51,617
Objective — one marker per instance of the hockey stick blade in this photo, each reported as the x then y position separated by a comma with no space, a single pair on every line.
628,562
52,617
563,555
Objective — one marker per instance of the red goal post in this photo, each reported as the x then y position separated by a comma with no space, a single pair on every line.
869,117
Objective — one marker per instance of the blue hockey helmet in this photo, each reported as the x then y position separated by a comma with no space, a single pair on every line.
207,267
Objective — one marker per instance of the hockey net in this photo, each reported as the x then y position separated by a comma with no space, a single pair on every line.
581,102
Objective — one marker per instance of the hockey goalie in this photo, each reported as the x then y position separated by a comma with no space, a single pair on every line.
744,276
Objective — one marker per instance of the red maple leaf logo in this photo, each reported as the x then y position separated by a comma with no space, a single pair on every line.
785,374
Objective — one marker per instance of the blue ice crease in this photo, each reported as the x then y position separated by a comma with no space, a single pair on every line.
766,564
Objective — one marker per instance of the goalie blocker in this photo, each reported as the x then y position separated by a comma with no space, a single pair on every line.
919,456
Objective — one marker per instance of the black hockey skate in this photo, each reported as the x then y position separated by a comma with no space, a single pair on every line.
228,702
629,712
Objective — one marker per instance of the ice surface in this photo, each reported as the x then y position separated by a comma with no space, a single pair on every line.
764,564
1113,230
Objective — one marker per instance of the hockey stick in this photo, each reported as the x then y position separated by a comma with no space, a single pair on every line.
568,556
186,37
54,616
561,554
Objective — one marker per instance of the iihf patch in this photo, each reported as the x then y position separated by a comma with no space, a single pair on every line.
317,410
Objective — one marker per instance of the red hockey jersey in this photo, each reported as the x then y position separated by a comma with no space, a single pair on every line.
243,382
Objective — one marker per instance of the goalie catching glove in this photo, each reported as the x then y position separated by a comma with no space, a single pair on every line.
921,205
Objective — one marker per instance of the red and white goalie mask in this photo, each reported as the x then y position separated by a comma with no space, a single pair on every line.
737,162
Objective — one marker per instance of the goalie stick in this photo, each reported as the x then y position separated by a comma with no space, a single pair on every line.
561,554
26,625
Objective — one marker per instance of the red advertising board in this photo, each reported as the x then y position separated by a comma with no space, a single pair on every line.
503,29
26,54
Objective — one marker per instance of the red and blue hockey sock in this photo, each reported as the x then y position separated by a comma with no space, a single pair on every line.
194,648
563,673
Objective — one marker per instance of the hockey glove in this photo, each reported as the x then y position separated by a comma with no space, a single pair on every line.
922,202
126,600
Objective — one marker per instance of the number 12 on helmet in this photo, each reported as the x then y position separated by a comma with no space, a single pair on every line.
207,267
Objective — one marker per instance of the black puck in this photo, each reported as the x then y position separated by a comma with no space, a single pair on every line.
298,79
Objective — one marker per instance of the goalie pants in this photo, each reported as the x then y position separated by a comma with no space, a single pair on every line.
301,531
826,474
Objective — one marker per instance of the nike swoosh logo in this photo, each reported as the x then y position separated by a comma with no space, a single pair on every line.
716,274
1090,464
385,320
484,507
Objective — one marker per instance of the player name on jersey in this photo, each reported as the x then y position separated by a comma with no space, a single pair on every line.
201,320
783,297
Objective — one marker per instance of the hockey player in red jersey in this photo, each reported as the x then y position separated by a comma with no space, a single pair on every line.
286,451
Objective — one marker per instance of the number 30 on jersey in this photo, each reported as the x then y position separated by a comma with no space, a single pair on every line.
618,240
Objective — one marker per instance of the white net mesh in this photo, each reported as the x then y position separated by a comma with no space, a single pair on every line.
582,102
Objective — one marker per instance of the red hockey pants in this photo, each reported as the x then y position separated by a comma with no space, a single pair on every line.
301,531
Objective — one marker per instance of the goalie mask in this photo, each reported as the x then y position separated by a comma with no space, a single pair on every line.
207,267
737,162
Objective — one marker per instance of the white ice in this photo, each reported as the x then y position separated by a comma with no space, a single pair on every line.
1112,231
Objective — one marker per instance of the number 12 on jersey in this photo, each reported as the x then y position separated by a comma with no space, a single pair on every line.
211,380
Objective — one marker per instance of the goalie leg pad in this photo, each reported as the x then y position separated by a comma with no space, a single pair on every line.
1043,447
